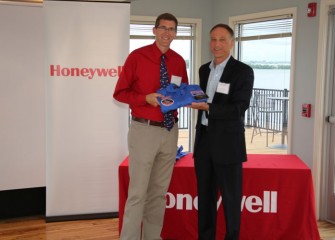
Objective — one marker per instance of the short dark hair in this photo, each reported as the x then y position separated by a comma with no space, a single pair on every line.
225,26
166,16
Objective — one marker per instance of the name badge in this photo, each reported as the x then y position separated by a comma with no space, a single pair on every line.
176,80
223,88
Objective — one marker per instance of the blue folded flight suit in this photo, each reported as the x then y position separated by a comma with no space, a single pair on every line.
176,97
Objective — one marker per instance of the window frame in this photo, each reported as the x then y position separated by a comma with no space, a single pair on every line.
261,16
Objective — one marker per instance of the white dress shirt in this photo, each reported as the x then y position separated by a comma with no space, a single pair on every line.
213,80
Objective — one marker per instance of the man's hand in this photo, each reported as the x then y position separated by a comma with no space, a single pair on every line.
199,105
152,99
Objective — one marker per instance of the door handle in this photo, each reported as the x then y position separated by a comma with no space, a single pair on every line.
331,119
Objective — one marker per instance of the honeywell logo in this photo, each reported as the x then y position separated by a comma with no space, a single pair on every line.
89,73
267,203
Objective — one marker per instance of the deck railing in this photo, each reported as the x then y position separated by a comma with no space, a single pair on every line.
265,112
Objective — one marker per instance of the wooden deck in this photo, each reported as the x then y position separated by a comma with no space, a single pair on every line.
258,144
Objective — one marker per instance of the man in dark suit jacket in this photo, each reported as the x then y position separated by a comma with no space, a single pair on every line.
219,147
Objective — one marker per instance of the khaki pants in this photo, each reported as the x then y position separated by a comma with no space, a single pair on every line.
152,154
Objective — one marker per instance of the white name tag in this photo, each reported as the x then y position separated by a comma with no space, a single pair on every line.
176,80
223,88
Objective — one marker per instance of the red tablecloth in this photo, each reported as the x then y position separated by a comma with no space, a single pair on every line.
278,200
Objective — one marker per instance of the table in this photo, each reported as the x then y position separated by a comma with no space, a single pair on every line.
278,200
284,101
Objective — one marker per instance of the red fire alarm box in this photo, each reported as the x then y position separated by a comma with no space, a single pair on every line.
311,11
306,110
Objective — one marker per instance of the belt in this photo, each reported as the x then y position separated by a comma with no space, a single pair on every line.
150,122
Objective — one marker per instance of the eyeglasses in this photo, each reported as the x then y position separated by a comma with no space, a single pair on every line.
163,28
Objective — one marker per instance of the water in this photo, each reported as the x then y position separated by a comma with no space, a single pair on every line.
272,78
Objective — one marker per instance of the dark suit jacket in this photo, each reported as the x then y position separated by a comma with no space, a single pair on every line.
226,113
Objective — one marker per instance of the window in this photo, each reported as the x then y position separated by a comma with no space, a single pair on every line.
264,42
265,45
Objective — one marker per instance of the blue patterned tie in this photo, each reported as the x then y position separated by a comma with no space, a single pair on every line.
168,117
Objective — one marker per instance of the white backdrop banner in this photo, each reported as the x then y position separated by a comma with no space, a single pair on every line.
86,45
22,98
